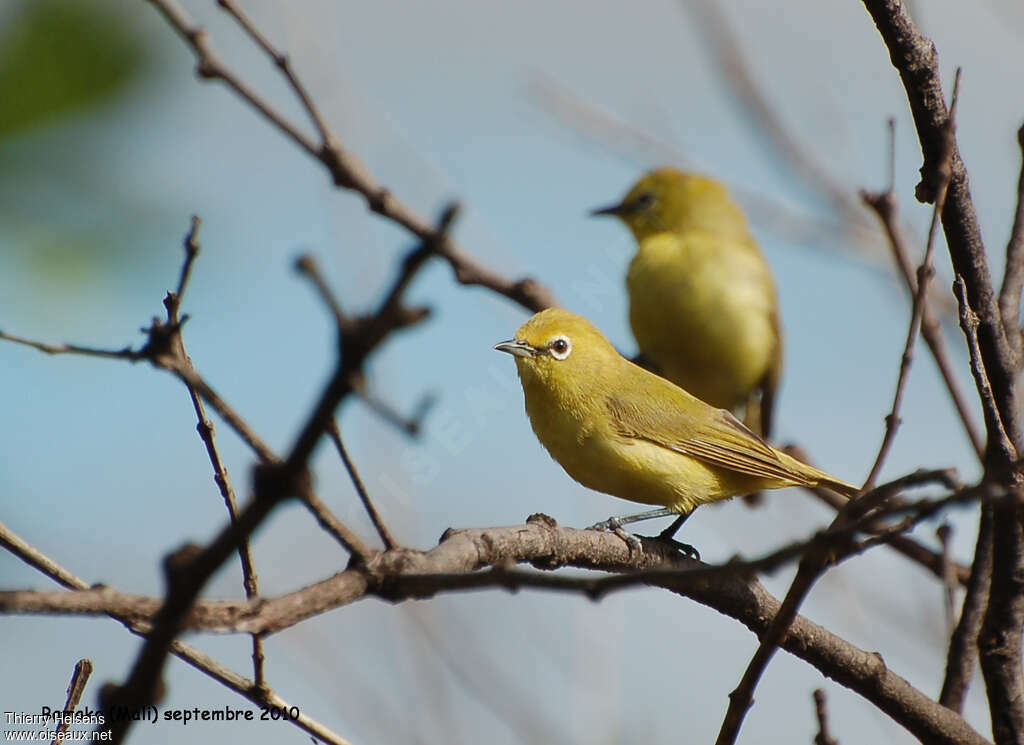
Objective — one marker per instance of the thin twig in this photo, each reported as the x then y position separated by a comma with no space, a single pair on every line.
1013,275
371,510
884,205
191,246
999,440
283,64
412,425
906,545
261,696
189,569
924,275
126,353
79,679
727,50
821,712
944,533
204,426
346,170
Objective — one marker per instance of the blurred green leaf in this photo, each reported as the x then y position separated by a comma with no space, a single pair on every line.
60,56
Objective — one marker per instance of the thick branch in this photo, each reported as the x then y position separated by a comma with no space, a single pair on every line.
963,644
999,642
402,574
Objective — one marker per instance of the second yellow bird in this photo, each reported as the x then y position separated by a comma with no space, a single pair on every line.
622,430
702,302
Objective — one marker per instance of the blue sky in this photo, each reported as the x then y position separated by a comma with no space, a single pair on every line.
103,469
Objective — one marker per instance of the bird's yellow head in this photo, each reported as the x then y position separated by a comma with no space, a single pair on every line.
667,199
560,351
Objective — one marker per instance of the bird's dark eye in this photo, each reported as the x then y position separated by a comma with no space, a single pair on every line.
560,347
644,200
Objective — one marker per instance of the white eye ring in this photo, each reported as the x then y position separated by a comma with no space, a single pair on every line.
560,347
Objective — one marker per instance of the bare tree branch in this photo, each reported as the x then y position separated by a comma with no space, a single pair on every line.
916,60
346,170
816,560
188,570
994,364
364,497
999,641
910,548
402,574
260,695
884,204
172,303
79,679
821,711
945,534
272,615
1013,275
963,644
412,425
726,48
924,275
818,554
998,438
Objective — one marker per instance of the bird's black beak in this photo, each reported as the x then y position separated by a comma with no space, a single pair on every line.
516,348
615,210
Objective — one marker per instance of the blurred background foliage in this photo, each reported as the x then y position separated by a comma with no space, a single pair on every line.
62,61
58,57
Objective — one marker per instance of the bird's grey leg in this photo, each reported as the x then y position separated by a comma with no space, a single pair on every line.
617,522
614,525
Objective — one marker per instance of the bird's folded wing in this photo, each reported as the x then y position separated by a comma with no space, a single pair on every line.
719,439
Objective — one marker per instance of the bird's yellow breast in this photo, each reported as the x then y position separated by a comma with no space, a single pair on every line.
702,308
598,458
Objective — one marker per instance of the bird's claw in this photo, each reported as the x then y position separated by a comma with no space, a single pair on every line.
684,548
607,526
631,541
612,525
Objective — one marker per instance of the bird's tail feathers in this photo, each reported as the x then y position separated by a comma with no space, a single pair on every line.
839,487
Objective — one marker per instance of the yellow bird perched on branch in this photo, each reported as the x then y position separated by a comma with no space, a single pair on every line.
622,430
702,301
